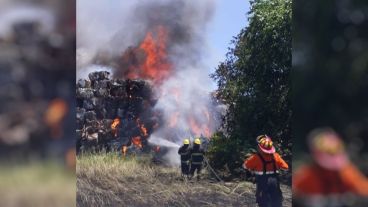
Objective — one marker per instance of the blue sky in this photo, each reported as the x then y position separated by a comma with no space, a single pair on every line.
229,18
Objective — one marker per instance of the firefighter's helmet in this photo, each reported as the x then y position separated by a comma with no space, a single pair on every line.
197,141
328,149
186,141
265,144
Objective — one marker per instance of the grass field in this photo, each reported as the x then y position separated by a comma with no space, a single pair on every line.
37,184
110,180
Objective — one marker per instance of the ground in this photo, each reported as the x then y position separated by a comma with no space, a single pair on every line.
112,180
39,184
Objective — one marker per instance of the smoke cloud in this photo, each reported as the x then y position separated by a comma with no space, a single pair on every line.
18,13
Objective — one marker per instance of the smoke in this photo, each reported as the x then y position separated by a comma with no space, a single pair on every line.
110,34
105,29
82,73
20,13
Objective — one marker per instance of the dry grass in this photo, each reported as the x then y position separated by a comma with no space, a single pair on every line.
37,184
109,180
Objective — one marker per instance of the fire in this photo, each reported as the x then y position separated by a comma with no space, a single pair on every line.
137,142
114,126
194,126
54,115
174,119
142,128
124,150
201,128
156,65
156,149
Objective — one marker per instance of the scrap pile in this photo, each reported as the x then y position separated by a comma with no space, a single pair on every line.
114,114
36,90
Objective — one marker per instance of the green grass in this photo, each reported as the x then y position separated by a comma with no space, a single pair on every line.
110,180
37,184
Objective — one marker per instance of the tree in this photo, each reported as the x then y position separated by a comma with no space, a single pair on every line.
254,83
330,73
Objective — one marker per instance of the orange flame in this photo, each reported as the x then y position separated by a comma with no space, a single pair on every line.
124,150
156,66
137,142
114,126
194,126
174,119
201,128
142,128
54,115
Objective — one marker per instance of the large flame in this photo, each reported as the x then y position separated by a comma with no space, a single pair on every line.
156,65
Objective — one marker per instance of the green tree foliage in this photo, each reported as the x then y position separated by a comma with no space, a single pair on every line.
330,72
254,83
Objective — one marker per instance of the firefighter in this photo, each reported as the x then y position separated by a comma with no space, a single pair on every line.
330,175
197,158
265,164
184,152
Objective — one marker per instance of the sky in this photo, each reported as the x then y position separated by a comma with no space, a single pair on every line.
229,18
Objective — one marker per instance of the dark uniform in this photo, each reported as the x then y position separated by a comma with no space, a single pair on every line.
197,157
184,152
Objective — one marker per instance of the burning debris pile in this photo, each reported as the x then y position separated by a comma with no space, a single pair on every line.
114,114
160,90
37,63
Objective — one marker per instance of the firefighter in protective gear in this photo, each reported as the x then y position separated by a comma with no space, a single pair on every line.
331,175
197,157
266,164
184,152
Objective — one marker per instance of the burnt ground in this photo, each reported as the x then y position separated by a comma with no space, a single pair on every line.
112,180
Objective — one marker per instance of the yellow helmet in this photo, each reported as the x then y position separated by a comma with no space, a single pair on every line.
186,141
197,141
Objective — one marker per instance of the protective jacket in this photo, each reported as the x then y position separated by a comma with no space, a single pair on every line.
315,180
266,168
184,152
273,162
197,155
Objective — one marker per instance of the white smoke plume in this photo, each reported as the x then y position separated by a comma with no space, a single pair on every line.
13,13
107,29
